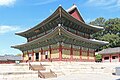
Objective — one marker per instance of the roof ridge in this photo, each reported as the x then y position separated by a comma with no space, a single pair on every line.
71,8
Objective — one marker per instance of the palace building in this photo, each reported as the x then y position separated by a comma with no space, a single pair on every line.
110,54
63,36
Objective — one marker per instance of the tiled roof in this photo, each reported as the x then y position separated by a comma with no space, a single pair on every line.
103,42
71,8
110,50
10,57
53,33
2,58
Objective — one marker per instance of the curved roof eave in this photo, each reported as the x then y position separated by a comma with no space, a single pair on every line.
84,39
52,16
79,22
54,32
102,42
75,7
41,23
71,8
110,51
96,26
43,37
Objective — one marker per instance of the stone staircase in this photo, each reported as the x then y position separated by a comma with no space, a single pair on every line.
16,72
21,71
50,74
44,73
64,68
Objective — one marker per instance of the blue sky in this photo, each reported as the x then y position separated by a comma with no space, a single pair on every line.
19,15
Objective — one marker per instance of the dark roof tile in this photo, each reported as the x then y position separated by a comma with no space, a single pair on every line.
110,50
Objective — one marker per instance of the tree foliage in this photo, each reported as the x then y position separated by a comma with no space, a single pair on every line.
98,57
111,32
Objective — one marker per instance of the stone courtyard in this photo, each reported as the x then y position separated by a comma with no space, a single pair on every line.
64,71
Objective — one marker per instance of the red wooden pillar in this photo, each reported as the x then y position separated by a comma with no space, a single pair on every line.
41,54
119,57
28,55
23,56
50,51
88,54
80,54
71,53
94,55
32,55
60,52
110,57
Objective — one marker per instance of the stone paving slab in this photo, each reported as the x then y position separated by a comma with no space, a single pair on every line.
83,76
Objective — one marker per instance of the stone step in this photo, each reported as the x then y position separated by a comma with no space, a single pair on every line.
17,72
19,76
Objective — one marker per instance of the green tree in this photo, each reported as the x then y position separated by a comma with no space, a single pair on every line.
111,33
98,22
98,57
113,26
114,40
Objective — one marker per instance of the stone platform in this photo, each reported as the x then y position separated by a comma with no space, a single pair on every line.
64,71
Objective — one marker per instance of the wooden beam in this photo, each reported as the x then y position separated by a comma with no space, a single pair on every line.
110,58
88,53
50,52
119,56
41,54
60,52
71,53
80,53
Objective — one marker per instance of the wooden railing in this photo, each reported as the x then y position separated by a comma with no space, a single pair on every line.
30,67
40,75
46,74
36,67
53,73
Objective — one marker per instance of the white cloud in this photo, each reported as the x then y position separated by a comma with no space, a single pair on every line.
107,4
42,2
5,29
100,2
117,5
7,2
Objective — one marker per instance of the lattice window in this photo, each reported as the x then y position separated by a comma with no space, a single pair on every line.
55,53
91,55
25,55
84,54
76,54
65,53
